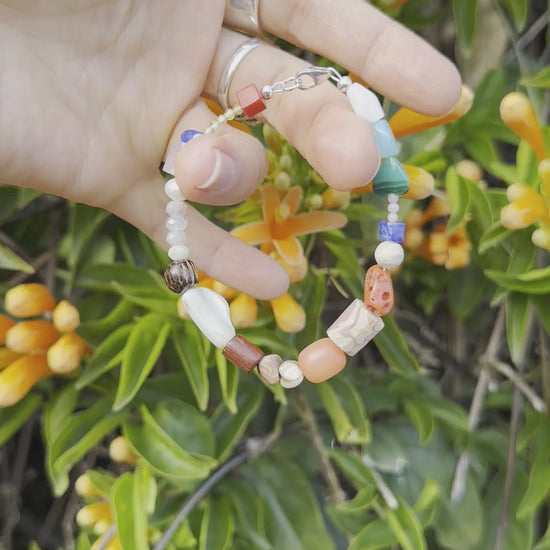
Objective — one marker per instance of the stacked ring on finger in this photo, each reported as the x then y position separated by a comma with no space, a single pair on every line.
361,321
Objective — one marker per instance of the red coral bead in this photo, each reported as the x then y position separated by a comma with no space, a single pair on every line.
251,101
378,295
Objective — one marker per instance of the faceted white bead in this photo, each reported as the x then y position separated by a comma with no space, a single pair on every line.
355,328
178,252
393,197
393,207
175,224
176,238
389,254
365,103
210,312
170,158
291,374
176,209
172,190
392,218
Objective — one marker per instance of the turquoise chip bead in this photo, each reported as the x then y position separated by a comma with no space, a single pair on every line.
390,178
385,141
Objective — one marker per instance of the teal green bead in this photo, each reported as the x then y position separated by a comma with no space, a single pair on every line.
390,178
385,141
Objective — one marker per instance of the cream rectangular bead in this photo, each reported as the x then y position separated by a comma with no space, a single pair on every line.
355,328
365,103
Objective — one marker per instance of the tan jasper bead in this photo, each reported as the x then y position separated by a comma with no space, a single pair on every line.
268,369
242,353
321,360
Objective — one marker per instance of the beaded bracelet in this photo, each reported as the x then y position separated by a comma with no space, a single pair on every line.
361,320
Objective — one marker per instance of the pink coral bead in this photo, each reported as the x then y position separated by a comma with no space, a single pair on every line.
321,360
378,290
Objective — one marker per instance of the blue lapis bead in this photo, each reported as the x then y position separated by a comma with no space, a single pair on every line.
391,231
385,140
188,135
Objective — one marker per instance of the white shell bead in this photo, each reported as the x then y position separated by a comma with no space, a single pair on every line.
291,374
364,103
389,254
268,368
210,312
178,252
175,224
175,238
355,328
176,209
173,191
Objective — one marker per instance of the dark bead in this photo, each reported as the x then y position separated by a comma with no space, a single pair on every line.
242,353
181,275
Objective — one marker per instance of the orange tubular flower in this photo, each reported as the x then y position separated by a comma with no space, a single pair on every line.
65,355
5,324
121,451
7,357
281,224
31,336
518,114
421,183
544,174
405,122
526,207
243,310
93,513
65,317
289,314
17,379
28,300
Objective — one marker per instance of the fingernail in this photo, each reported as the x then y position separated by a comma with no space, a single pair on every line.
224,173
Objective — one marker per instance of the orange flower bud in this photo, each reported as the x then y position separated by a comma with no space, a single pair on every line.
17,379
29,300
314,202
5,324
289,315
439,243
413,238
90,514
84,487
544,174
438,208
541,237
65,355
526,207
7,357
458,257
244,311
223,290
31,336
182,312
421,183
518,114
405,122
470,170
65,317
121,451
296,272
336,199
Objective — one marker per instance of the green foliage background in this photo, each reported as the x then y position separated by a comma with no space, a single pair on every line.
437,437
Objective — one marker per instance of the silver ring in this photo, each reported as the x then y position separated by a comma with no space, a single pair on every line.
240,53
242,15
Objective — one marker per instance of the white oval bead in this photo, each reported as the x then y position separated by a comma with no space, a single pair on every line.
178,252
173,191
393,208
355,328
176,238
365,103
392,218
175,224
176,209
210,312
291,374
389,255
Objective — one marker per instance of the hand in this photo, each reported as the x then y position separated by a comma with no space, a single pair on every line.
92,93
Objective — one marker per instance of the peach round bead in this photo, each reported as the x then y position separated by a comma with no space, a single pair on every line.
321,360
378,295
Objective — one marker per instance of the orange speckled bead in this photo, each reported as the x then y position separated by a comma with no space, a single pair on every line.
321,360
378,290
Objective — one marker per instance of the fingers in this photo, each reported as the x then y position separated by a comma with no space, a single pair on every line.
214,251
392,59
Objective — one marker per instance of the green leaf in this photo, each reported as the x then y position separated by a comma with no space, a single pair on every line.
12,418
421,416
518,10
542,307
394,349
128,502
459,197
541,79
537,489
449,414
346,411
517,323
465,289
190,347
426,503
376,535
495,234
59,407
106,356
313,301
228,428
163,453
406,527
101,481
144,346
536,281
9,260
97,330
465,16
353,468
228,376
218,525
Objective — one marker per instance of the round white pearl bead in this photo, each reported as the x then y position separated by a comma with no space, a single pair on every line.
178,252
176,209
176,238
172,190
392,218
389,255
175,224
393,197
393,208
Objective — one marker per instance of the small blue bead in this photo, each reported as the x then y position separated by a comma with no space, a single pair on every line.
188,135
385,141
391,231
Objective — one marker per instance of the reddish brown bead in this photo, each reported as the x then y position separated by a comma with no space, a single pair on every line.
378,290
251,101
242,353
